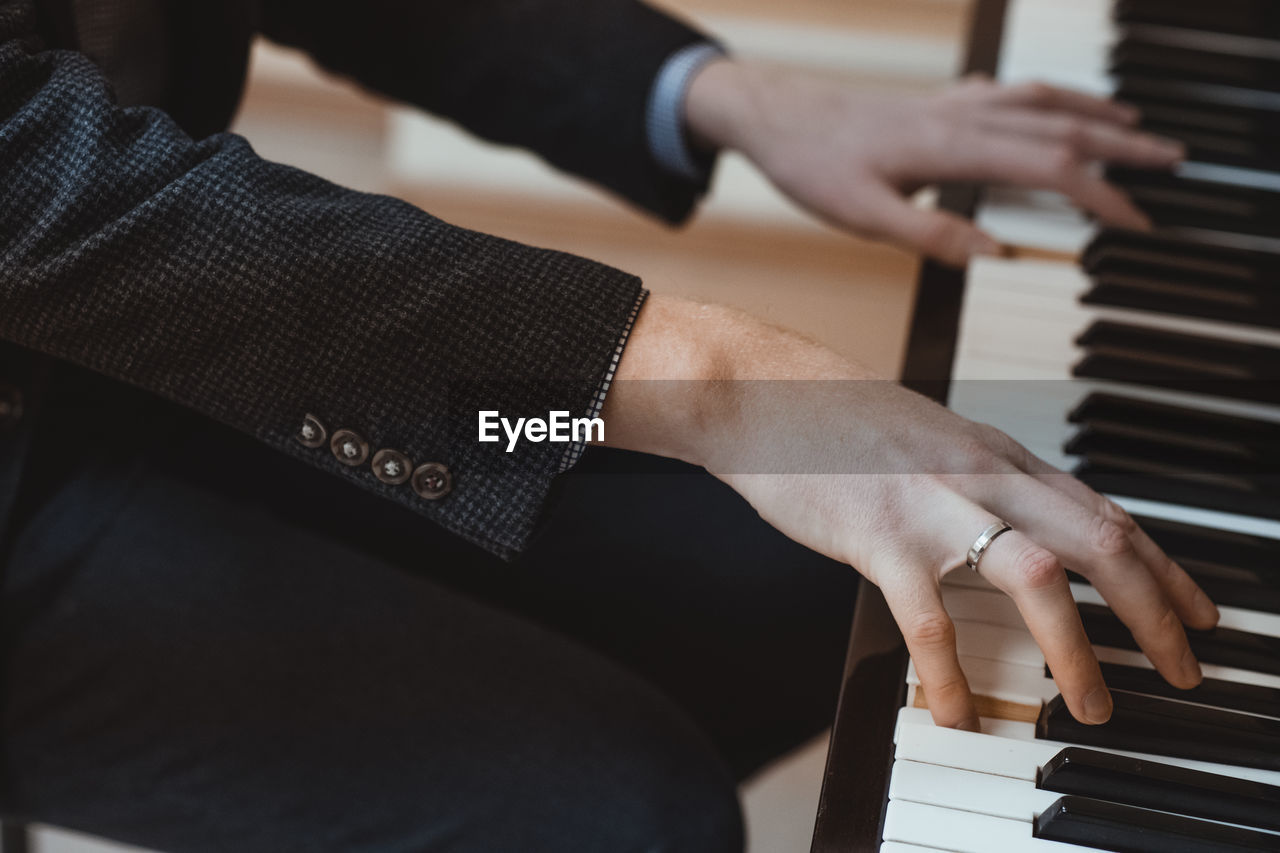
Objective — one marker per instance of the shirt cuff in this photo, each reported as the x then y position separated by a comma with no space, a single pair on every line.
664,117
574,451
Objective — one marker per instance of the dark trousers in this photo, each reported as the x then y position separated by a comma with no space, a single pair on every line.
208,646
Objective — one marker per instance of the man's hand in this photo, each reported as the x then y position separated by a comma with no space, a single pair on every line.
854,159
885,480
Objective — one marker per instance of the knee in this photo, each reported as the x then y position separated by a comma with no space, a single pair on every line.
688,804
634,776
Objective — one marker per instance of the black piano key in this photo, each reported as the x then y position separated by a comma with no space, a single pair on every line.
1223,646
1156,293
1179,375
1231,593
1258,18
1107,826
1228,483
1224,554
1144,53
1160,726
1183,279
1252,439
1213,692
1236,137
1234,569
1174,201
1219,461
1194,363
1217,464
1230,445
1116,251
1224,357
1153,785
1256,111
1121,476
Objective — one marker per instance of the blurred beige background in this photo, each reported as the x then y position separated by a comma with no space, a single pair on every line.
747,246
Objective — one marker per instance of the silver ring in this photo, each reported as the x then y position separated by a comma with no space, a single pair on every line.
983,542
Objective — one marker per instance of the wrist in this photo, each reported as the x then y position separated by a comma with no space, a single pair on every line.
675,358
719,102
688,384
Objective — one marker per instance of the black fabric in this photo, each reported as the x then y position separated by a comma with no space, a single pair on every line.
564,78
209,649
255,293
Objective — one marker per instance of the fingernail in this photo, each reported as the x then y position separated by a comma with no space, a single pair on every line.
970,725
1097,706
1191,668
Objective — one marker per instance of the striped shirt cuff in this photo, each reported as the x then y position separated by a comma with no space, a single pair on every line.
664,117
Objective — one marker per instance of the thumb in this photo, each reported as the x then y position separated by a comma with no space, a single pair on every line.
941,235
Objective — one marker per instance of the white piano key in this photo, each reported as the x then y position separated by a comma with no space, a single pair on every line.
1019,322
982,793
1064,44
997,643
1031,218
918,739
1232,175
899,847
962,832
1024,685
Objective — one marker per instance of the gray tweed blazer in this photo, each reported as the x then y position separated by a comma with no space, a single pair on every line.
138,241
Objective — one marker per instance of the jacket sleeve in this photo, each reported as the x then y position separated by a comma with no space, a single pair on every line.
567,79
257,294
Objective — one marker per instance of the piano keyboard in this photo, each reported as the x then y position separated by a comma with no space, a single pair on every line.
1148,365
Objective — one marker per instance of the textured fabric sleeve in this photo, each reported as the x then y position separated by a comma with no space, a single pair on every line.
567,79
256,294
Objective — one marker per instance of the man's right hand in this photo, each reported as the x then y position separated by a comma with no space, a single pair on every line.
878,477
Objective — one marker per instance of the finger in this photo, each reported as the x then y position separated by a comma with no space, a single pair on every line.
1045,97
1101,550
1193,606
1037,583
940,235
1110,204
1089,138
1047,165
931,640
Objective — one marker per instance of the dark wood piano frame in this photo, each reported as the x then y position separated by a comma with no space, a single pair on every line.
855,786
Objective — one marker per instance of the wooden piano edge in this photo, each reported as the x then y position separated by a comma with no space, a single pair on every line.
855,785
859,759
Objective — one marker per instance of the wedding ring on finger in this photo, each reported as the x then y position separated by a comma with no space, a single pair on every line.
983,542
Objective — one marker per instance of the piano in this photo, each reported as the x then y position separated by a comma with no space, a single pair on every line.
1147,364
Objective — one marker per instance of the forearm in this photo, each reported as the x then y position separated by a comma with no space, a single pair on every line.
258,294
